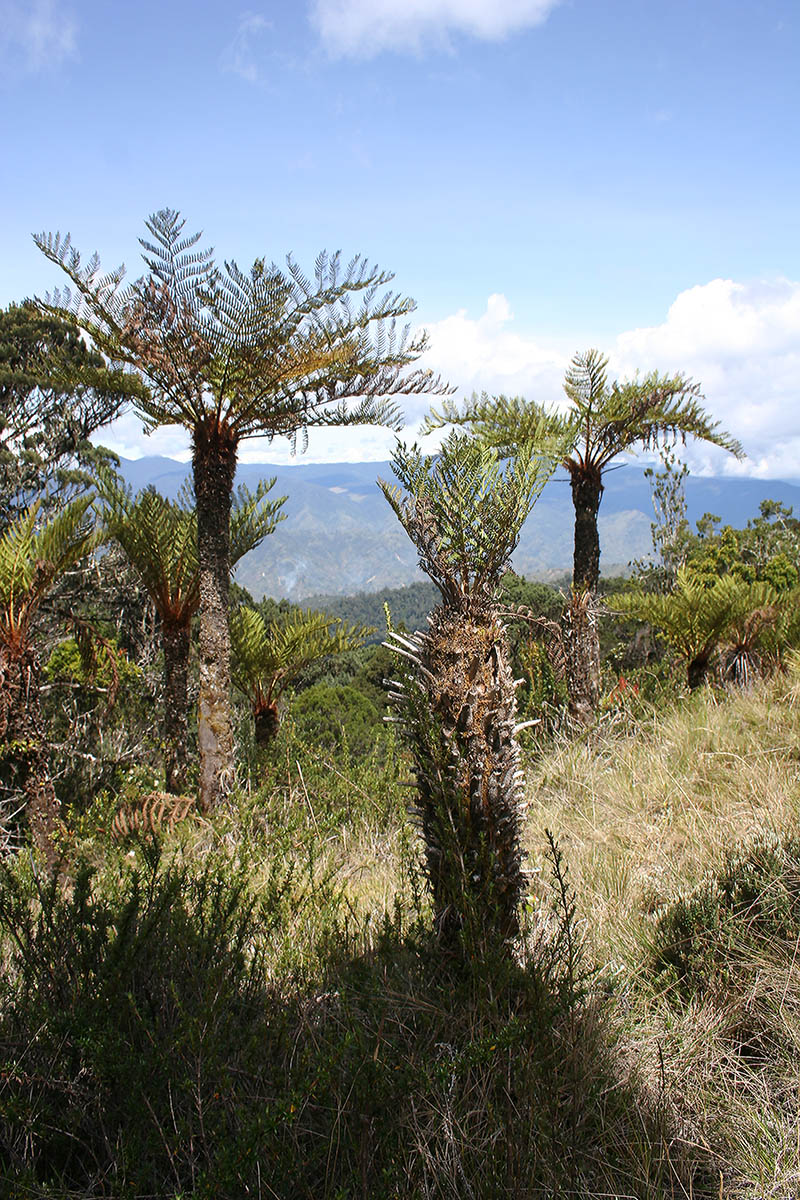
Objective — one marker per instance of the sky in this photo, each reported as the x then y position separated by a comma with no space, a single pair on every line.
542,176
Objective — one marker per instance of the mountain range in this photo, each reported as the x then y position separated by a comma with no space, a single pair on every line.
341,537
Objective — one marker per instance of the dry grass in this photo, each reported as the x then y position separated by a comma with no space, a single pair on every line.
641,816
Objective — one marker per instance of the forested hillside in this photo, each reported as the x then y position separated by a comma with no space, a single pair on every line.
339,537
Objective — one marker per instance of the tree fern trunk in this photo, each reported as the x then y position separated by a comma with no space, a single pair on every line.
214,461
177,642
587,491
459,712
697,671
582,656
581,637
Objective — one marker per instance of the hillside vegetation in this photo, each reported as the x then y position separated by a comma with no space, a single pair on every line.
255,997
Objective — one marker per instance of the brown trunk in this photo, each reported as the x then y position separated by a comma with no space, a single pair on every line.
267,722
459,715
582,656
214,461
697,671
581,637
24,753
176,639
587,491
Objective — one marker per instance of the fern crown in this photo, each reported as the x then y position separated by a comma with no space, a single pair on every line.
267,351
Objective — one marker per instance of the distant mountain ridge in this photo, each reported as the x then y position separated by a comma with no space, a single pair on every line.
341,537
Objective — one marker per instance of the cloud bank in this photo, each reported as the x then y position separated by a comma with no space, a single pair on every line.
741,341
37,35
364,28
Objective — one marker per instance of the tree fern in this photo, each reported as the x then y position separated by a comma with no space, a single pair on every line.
699,619
455,692
34,554
231,354
603,421
159,538
267,658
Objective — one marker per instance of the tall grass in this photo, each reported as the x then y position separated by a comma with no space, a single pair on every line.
683,840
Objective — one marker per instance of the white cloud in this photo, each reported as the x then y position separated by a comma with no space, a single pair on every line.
36,35
740,341
239,57
366,27
484,354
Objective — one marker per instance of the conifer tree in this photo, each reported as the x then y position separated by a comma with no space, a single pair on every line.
231,354
55,392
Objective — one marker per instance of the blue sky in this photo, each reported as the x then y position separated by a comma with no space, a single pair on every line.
541,175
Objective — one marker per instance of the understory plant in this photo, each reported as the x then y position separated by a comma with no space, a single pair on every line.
34,554
268,657
699,620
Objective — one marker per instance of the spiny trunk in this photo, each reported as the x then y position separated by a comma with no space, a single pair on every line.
459,712
214,461
582,656
176,640
581,636
24,752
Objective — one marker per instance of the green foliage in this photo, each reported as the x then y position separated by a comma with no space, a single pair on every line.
159,536
464,511
160,1030
263,350
409,607
33,555
267,658
702,615
701,939
102,666
55,392
604,419
337,718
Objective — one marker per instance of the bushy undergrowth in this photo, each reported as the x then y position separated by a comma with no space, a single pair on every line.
744,909
682,829
253,1004
151,1048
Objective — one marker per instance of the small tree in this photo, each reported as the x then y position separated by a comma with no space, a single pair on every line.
55,392
231,354
603,421
268,658
457,698
32,558
159,538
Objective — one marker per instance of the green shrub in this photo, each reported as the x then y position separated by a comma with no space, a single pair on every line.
751,902
330,717
160,1036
